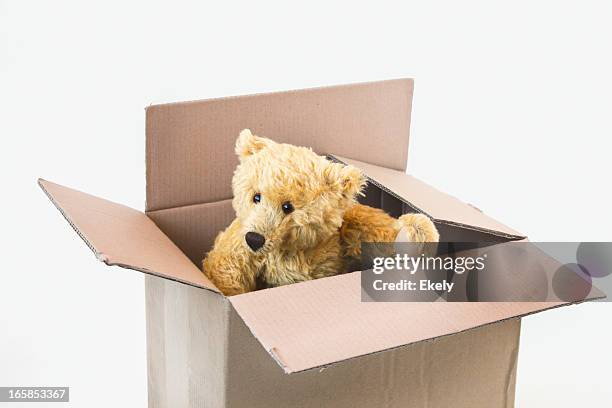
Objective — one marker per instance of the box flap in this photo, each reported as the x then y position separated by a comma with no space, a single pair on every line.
320,322
190,145
119,235
423,198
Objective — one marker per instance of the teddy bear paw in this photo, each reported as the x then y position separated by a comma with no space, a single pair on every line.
418,228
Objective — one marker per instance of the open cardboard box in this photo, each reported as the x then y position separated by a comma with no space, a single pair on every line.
312,344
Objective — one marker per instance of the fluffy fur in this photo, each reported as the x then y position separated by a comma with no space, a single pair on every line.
319,238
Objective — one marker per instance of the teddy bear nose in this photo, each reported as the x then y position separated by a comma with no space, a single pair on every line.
254,240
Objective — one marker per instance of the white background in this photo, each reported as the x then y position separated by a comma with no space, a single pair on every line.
511,112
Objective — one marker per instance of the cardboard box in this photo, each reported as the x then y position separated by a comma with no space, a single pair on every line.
312,344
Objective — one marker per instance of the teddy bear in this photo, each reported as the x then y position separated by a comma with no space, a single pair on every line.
297,219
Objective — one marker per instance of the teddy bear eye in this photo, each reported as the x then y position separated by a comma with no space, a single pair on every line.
288,207
257,198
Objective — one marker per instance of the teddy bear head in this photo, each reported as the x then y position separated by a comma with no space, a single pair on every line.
288,197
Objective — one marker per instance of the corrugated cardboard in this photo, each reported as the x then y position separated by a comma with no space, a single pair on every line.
205,350
194,227
187,337
423,198
119,235
293,333
190,146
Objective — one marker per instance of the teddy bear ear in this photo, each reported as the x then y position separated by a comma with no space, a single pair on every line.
349,180
248,144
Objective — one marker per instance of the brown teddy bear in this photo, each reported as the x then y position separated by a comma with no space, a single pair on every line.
297,218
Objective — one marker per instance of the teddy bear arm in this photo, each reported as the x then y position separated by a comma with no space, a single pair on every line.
229,265
362,223
367,224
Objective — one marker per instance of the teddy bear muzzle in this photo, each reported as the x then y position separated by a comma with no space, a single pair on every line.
254,240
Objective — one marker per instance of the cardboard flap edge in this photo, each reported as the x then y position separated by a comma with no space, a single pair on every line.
437,205
369,121
92,218
303,327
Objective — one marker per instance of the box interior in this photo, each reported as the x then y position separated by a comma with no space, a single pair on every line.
378,197
193,228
